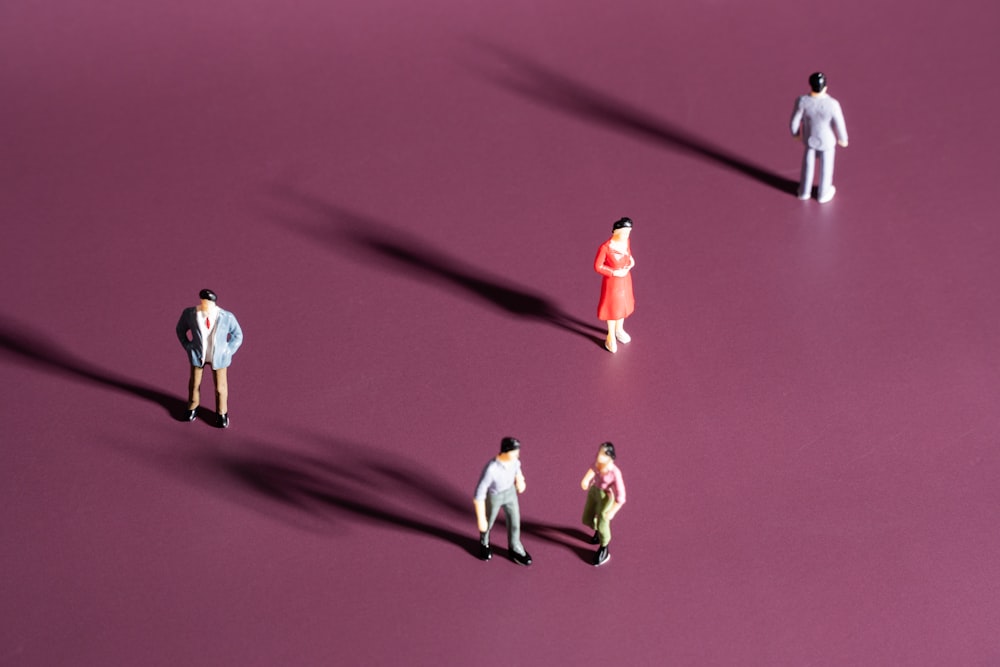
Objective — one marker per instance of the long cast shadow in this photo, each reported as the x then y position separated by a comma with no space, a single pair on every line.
377,490
395,494
573,539
550,88
414,257
33,348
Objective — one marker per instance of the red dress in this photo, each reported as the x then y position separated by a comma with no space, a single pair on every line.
616,301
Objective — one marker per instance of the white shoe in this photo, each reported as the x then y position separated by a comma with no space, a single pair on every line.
622,337
828,196
804,196
610,345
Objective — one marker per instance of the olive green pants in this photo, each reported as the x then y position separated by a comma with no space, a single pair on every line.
599,502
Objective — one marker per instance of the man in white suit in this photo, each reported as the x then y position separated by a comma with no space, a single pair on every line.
215,335
819,121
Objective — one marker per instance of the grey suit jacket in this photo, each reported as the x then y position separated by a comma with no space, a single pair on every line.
819,117
228,338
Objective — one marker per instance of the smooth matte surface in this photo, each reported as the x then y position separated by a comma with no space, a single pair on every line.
401,202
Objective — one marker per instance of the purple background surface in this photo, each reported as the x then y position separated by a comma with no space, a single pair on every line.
401,202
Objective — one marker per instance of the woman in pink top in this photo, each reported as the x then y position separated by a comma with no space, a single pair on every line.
605,489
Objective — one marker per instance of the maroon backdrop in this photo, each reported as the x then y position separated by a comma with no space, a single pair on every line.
401,202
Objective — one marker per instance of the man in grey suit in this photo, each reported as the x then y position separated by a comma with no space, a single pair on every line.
818,120
215,335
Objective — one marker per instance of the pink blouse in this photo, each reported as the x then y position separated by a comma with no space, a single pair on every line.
611,478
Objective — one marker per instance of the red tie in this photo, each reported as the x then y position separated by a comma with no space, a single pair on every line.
208,324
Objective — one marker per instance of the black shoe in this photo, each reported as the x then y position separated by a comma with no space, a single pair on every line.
485,553
190,415
222,421
596,539
521,559
602,556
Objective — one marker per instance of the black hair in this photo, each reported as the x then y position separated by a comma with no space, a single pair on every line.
207,294
817,81
509,445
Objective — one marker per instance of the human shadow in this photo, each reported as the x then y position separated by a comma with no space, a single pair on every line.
573,539
33,348
546,86
359,486
349,230
356,483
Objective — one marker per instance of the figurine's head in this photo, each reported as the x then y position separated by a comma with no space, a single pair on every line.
509,445
207,295
817,81
622,228
606,453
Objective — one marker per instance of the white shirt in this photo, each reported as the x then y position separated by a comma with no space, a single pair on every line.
208,323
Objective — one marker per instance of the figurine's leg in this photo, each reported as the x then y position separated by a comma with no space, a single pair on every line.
221,390
826,189
620,332
492,510
590,509
808,166
194,388
512,511
607,501
589,518
611,343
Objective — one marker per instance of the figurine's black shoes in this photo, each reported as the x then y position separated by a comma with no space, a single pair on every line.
602,556
485,553
222,421
190,415
596,539
521,559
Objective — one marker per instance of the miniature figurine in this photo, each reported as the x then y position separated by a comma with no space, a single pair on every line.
605,489
498,487
215,335
614,262
819,122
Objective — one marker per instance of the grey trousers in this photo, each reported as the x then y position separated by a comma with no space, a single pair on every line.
825,172
512,513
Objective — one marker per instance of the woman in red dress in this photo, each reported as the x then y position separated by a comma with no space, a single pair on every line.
614,261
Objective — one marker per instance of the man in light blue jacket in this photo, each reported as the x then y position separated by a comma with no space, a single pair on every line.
210,335
819,121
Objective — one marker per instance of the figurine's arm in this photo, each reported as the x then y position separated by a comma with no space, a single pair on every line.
182,331
587,479
479,497
610,514
839,126
621,273
796,124
519,482
618,491
235,335
480,515
599,264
